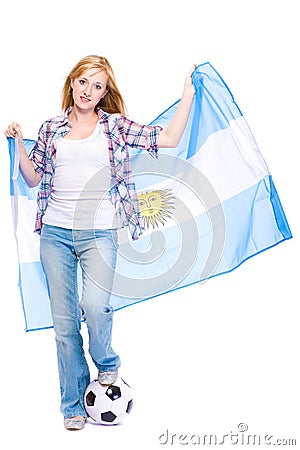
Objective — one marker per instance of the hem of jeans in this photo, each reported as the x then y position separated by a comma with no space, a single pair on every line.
75,415
108,368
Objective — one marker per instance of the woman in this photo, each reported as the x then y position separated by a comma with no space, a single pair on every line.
81,159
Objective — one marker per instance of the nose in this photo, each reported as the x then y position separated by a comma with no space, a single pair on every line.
87,91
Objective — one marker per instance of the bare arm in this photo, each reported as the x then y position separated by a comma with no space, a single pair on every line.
172,135
31,177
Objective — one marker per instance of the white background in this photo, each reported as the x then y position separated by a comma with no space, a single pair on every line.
205,358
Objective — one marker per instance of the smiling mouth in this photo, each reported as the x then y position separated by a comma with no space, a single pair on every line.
84,99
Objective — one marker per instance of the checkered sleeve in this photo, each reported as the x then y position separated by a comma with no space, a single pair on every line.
142,137
38,153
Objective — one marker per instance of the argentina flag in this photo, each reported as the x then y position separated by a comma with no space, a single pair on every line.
206,207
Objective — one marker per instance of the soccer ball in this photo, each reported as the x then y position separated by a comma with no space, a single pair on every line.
108,405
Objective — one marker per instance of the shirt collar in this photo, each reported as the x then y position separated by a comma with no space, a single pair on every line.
103,116
66,116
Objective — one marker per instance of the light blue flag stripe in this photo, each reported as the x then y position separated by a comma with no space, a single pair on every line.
213,100
251,227
23,189
34,294
218,207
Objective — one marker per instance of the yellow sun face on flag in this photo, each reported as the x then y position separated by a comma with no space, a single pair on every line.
156,207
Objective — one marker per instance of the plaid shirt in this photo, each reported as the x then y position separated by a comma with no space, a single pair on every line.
121,133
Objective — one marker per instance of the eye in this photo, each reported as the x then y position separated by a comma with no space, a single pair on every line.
98,86
81,81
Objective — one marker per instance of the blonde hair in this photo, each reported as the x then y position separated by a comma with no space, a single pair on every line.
112,102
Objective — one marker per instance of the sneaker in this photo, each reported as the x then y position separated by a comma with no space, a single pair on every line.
107,378
74,423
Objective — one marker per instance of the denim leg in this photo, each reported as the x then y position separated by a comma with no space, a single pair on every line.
60,264
97,252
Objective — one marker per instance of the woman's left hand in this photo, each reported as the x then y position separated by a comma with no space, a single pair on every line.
188,82
172,135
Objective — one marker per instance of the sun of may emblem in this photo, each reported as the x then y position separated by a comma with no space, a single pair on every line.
156,207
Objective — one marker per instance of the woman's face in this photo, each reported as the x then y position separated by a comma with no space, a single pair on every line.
89,88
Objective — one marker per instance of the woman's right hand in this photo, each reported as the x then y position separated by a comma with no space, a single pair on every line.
31,177
14,130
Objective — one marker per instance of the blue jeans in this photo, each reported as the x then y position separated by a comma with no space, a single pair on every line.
96,252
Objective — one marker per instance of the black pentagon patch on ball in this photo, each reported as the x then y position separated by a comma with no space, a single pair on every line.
90,398
129,406
113,392
108,416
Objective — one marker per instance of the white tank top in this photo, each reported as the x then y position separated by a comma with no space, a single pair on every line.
80,194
